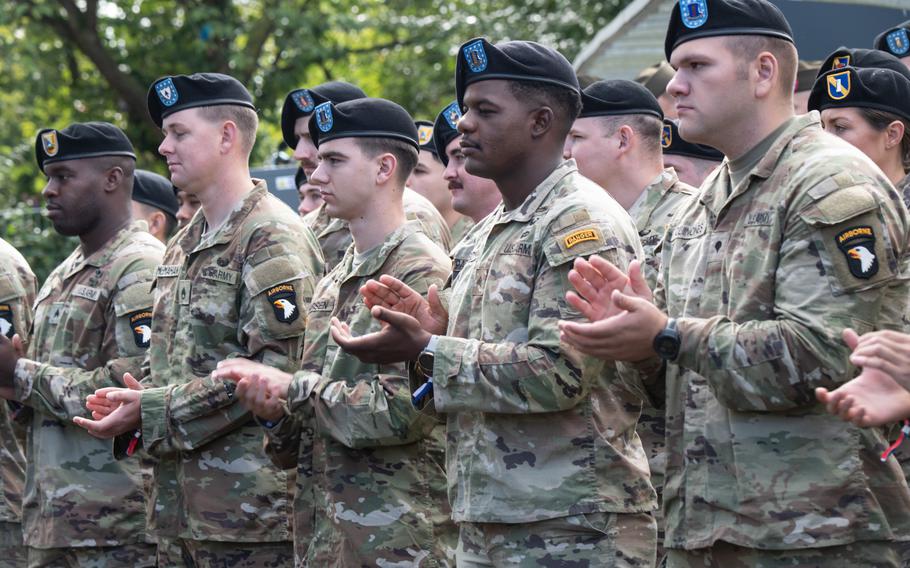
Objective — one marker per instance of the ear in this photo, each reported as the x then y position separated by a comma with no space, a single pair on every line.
156,222
112,179
626,138
388,168
894,133
542,119
765,69
230,136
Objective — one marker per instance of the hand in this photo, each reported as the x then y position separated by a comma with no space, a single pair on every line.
886,351
10,351
401,338
126,415
98,403
260,388
397,296
596,279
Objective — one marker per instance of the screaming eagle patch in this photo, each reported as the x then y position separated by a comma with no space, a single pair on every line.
6,321
284,302
858,246
141,324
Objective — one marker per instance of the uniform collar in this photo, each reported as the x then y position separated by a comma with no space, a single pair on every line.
379,254
193,240
652,196
106,253
539,197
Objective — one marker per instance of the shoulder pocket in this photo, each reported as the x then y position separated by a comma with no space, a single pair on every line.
10,287
579,241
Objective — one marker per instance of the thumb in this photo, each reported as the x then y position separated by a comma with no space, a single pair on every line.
18,345
637,280
436,307
850,338
131,382
626,302
391,317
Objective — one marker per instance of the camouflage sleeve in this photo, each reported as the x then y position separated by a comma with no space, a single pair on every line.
284,441
61,391
278,284
18,288
541,374
823,283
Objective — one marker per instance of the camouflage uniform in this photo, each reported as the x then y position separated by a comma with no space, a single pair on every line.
378,465
335,237
460,229
88,331
653,212
903,187
221,295
536,431
17,297
762,278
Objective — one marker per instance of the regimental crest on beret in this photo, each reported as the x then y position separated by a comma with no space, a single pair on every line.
476,56
898,42
7,326
284,300
858,246
666,137
839,85
424,134
694,13
304,100
324,118
167,92
453,115
49,143
141,324
840,62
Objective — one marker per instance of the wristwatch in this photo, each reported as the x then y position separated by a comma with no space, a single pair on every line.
427,357
667,342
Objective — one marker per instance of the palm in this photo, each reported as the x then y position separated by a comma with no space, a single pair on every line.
879,398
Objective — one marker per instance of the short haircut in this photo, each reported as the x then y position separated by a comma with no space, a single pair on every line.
125,163
747,47
879,120
405,154
566,103
646,126
170,222
246,119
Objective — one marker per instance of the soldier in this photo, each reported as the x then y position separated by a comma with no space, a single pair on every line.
895,41
428,180
310,198
472,196
18,287
616,142
805,78
542,459
795,237
655,79
232,284
379,464
333,234
859,57
92,323
692,162
187,205
155,202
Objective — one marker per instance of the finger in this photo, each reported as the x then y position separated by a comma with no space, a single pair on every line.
609,271
850,337
587,271
583,286
581,305
18,345
628,303
822,395
92,427
395,319
120,395
379,294
436,308
398,287
131,382
637,281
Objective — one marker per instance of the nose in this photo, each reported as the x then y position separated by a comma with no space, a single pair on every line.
567,148
319,175
676,87
50,189
165,147
304,151
466,123
451,171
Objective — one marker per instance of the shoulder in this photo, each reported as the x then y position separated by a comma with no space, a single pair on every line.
139,254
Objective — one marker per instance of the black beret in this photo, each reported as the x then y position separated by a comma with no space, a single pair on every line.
656,77
362,118
479,60
673,143
155,190
859,57
299,178
618,96
81,140
302,102
178,92
425,135
445,129
696,19
895,41
879,89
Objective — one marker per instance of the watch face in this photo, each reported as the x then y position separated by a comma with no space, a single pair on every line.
667,347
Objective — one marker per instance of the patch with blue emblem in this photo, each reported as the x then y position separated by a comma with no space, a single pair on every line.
898,42
324,118
666,137
839,85
452,115
840,62
475,56
694,13
304,100
167,92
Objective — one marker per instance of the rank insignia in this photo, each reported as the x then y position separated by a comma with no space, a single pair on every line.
7,326
476,56
452,114
141,324
49,143
324,118
694,13
898,42
304,100
167,92
840,62
666,137
839,85
284,302
858,246
424,134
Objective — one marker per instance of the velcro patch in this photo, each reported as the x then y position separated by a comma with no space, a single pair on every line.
219,274
141,324
167,271
581,236
7,325
87,292
858,246
284,302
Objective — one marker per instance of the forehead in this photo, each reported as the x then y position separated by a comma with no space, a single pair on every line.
702,48
588,124
302,125
345,146
491,90
833,113
454,145
186,117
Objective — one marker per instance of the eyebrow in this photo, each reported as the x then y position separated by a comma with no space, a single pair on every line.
331,154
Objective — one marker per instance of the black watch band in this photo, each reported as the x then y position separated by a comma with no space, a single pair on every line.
667,342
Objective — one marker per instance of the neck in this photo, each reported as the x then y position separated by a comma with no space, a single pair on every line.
760,124
524,178
92,241
377,221
450,215
221,195
628,186
894,168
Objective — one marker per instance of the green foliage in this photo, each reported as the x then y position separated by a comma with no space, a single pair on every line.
33,235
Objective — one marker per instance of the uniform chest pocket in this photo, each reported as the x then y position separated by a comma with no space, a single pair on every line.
213,312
